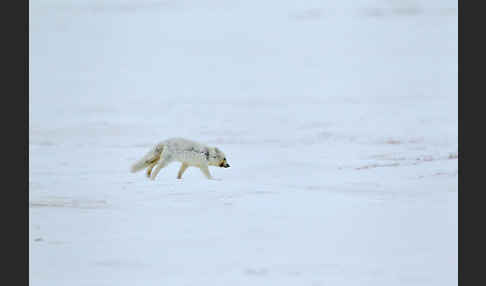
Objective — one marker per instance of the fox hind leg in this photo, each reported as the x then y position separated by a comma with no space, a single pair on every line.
150,167
164,161
182,170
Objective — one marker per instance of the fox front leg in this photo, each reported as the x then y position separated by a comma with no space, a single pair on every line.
205,171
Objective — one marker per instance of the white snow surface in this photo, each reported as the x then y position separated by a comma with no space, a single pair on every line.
338,118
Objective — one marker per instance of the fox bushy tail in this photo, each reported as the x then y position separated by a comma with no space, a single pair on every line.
151,157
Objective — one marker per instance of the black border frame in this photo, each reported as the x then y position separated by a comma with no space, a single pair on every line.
15,123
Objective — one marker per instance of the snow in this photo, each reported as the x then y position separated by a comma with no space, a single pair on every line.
338,118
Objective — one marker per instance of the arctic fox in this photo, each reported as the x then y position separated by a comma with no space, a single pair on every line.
189,153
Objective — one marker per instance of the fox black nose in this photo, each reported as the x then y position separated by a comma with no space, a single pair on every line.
227,165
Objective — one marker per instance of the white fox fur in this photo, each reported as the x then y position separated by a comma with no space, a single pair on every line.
189,153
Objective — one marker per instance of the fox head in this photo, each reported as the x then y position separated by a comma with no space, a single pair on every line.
218,159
